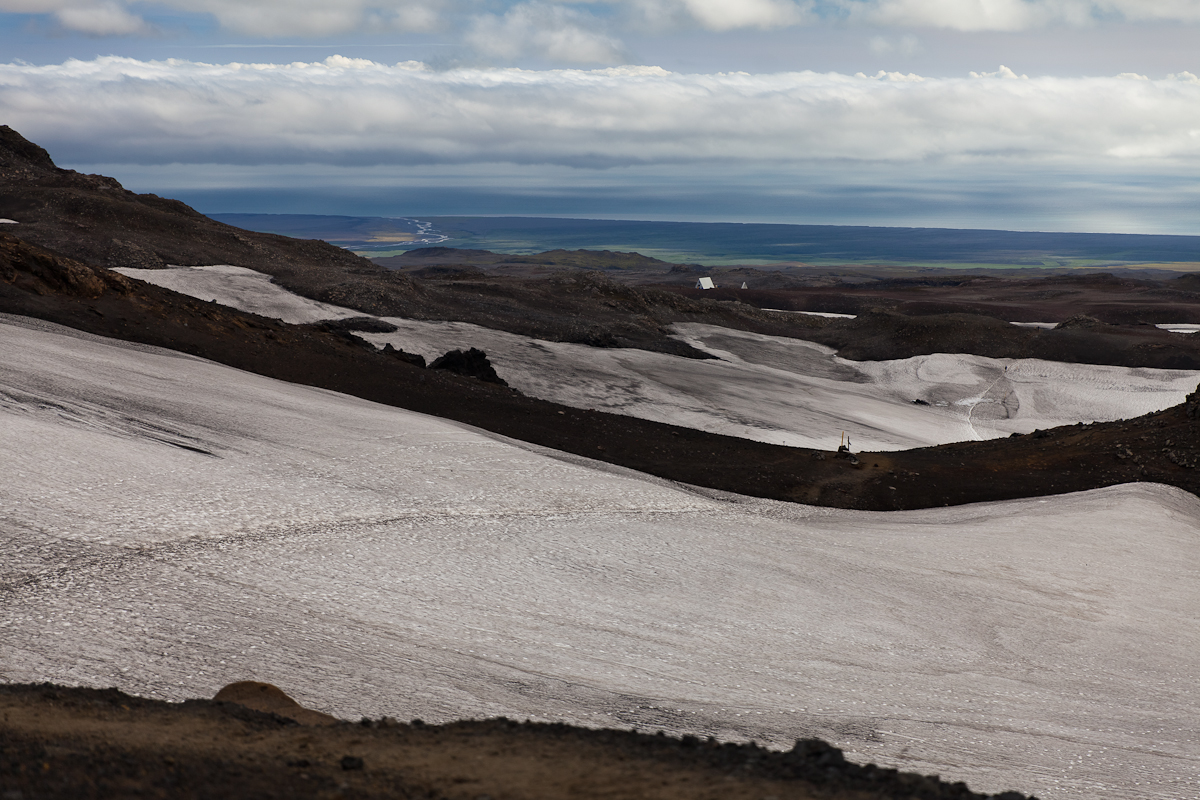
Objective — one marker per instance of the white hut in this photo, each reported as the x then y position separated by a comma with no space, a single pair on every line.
705,283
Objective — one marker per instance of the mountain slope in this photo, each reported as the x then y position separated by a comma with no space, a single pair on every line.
1163,447
91,218
172,525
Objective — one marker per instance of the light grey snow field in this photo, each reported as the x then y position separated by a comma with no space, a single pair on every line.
169,525
767,388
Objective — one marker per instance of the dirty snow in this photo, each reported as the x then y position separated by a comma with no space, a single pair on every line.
767,388
169,525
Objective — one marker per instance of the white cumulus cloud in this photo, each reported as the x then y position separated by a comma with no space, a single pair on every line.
105,19
268,18
1010,15
563,27
723,15
550,31
352,111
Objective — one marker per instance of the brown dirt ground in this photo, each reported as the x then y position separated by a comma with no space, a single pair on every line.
59,742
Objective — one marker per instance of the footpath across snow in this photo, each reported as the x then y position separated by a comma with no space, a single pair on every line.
169,525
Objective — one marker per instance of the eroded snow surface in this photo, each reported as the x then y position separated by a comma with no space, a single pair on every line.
169,525
767,388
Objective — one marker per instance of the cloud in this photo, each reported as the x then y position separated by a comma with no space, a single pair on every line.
1156,10
563,28
1009,15
352,111
1007,74
315,18
105,19
285,18
722,15
963,15
906,45
267,18
550,31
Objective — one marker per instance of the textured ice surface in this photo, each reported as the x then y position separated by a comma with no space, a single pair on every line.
767,388
238,287
168,525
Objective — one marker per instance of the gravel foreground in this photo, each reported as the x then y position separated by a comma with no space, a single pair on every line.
62,742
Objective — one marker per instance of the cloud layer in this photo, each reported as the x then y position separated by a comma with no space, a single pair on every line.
346,111
546,28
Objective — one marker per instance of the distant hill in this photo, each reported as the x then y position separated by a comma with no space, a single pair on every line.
570,259
94,219
724,243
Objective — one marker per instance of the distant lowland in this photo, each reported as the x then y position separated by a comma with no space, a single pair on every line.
726,243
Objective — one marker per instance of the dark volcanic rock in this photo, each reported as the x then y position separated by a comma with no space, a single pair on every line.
473,363
879,335
1012,295
415,359
1191,404
93,219
361,325
1079,321
18,153
32,269
453,255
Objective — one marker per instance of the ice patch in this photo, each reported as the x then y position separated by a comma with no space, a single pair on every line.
240,288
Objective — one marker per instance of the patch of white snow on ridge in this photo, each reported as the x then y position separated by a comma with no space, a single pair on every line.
374,561
766,388
240,288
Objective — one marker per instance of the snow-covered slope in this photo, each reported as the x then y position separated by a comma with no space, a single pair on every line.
168,525
772,389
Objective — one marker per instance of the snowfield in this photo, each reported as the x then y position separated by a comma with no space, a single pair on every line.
169,525
766,388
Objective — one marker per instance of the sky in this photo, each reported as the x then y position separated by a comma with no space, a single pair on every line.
1066,115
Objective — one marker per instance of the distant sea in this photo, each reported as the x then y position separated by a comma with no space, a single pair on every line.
723,243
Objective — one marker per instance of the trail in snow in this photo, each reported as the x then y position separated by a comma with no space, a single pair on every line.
981,399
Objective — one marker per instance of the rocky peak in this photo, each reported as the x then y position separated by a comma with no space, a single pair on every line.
16,152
